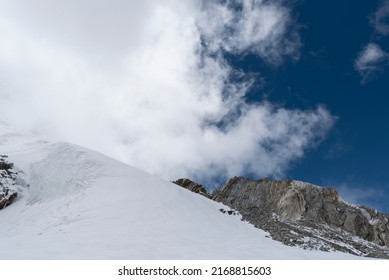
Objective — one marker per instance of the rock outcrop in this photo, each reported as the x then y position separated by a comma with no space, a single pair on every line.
192,186
305,215
8,177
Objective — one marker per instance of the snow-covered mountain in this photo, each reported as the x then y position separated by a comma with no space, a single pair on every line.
74,203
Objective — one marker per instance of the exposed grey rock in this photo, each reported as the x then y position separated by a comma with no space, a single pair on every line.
8,176
305,215
192,186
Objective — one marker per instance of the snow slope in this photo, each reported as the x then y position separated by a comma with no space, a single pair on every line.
83,205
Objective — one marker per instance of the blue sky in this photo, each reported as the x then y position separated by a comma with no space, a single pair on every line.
355,156
208,89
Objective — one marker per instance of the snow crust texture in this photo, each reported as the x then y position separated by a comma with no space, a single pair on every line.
66,170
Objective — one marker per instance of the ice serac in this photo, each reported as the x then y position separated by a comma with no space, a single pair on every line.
312,217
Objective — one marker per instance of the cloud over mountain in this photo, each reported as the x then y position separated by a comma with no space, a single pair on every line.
148,83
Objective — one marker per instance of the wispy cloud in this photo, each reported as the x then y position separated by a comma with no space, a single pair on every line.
370,196
380,19
370,61
146,82
265,28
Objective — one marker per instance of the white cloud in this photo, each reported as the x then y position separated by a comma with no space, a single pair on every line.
370,61
265,28
380,19
146,82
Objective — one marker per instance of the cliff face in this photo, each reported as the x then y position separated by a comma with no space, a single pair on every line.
301,214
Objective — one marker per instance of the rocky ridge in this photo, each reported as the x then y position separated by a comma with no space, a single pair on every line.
304,215
9,179
193,187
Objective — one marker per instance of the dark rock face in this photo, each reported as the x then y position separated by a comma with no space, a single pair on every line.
192,186
308,216
8,176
